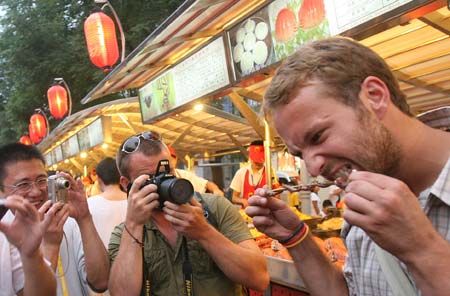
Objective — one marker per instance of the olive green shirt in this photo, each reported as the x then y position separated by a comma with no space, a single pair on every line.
164,263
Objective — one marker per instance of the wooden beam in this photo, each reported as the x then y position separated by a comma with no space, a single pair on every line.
94,156
250,94
239,145
418,83
182,135
225,115
127,123
248,113
438,21
76,164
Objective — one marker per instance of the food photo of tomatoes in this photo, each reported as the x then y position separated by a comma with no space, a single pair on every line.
285,25
295,22
311,13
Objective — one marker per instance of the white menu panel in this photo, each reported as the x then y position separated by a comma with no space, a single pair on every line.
346,14
202,73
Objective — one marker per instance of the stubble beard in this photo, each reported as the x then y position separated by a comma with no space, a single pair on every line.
379,152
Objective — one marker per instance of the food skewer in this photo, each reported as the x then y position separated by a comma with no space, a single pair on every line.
341,182
301,187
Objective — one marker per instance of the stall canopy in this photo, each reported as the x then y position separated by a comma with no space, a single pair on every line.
414,39
418,49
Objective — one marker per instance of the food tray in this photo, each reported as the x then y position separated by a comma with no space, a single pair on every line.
283,272
312,223
324,234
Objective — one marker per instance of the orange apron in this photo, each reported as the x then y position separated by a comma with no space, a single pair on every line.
249,189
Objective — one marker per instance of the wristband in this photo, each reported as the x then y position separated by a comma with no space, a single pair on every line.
298,239
297,231
135,239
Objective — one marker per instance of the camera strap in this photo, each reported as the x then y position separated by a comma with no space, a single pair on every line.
187,270
206,211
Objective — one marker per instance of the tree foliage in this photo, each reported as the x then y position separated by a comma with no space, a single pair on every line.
44,39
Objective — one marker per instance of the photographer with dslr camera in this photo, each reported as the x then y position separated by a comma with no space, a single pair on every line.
71,245
171,243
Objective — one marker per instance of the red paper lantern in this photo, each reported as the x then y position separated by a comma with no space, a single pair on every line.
34,137
38,125
25,140
57,101
101,40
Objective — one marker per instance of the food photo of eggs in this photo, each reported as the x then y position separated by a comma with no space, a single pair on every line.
251,45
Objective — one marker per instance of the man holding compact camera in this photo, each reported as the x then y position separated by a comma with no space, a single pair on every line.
72,246
171,243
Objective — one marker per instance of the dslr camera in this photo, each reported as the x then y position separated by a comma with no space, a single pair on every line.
170,188
58,188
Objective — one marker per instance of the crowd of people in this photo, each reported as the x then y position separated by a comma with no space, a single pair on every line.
345,110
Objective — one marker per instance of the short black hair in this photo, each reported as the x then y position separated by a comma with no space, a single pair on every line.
107,171
257,143
15,152
327,203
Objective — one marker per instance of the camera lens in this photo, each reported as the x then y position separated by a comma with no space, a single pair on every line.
176,190
62,183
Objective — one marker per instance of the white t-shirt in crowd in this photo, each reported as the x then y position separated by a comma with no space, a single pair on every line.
198,183
315,197
12,279
237,184
106,215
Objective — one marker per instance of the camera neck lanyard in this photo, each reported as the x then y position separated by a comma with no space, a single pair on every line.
62,277
187,270
188,277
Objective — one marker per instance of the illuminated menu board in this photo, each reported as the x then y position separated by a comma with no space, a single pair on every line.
276,31
49,158
83,139
70,147
95,133
346,14
200,74
58,154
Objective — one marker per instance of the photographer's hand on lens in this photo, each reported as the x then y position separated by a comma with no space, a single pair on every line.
387,210
187,219
271,215
141,202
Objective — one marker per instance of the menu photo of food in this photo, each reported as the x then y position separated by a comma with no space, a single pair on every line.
251,44
295,22
157,97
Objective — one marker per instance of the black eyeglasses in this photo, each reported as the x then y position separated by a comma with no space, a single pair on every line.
132,143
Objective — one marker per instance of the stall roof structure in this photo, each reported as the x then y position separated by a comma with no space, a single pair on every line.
202,132
416,45
418,50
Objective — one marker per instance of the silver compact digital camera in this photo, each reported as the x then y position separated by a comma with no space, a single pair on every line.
58,188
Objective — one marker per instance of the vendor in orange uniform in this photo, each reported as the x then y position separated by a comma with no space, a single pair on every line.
250,177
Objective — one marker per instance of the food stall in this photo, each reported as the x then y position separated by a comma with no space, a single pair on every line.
201,75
